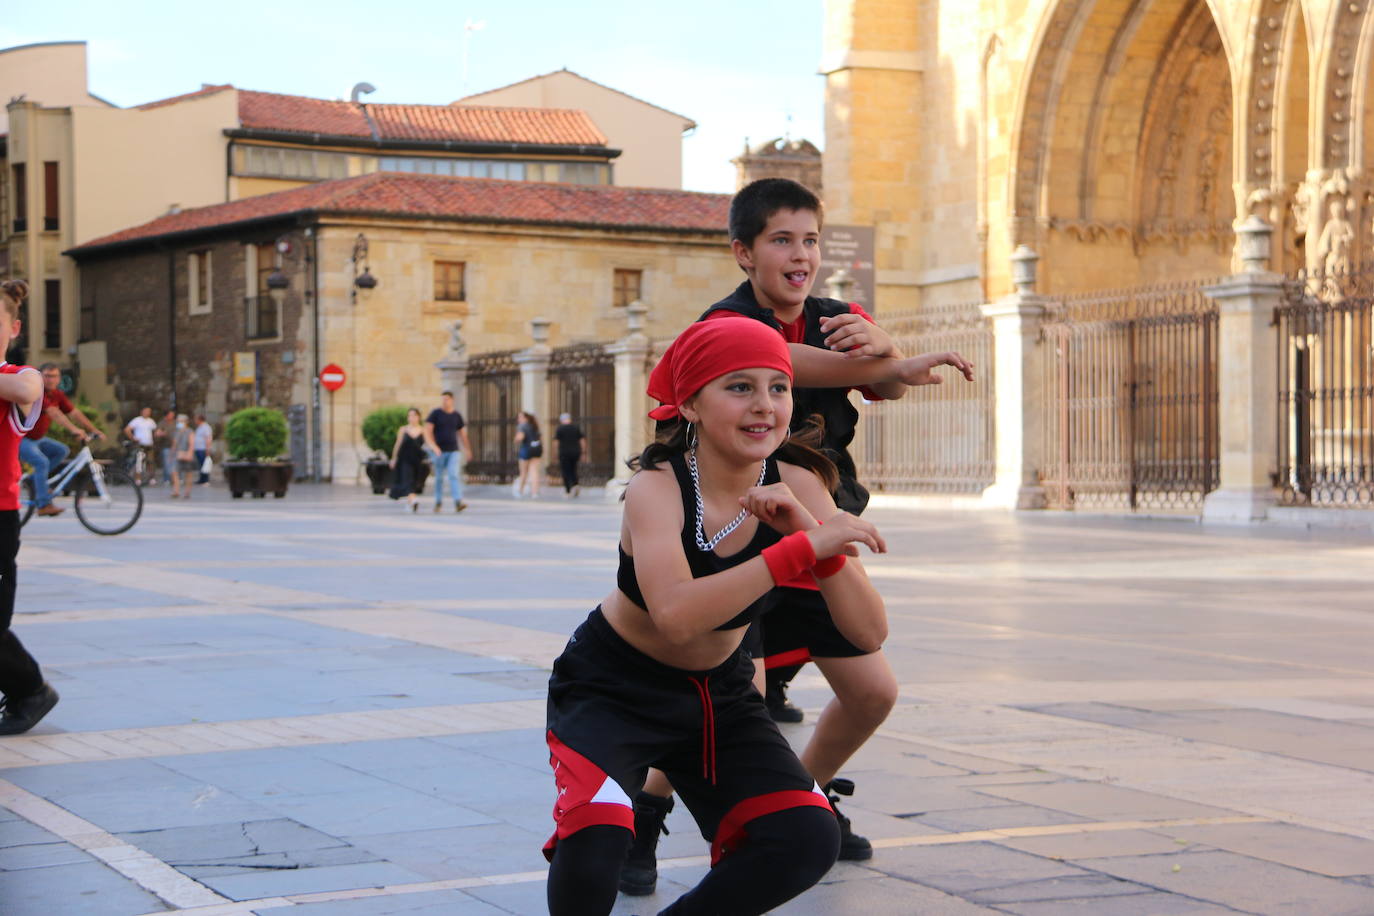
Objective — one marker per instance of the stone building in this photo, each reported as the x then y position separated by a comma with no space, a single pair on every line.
649,137
781,157
182,304
1119,140
74,167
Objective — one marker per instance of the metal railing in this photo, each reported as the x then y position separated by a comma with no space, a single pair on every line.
1325,448
262,317
938,438
1130,399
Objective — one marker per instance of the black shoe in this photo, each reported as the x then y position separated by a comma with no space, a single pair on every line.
853,848
23,714
639,874
778,707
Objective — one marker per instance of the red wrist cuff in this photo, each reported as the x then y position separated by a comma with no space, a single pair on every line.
790,557
826,568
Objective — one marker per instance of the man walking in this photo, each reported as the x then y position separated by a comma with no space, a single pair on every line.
41,452
572,447
444,431
141,429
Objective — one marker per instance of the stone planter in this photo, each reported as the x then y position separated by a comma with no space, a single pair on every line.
258,477
379,475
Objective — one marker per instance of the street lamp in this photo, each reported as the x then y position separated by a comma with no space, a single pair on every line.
364,280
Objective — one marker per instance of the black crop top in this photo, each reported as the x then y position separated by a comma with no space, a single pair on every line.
706,563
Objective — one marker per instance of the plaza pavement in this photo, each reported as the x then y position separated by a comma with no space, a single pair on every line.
321,705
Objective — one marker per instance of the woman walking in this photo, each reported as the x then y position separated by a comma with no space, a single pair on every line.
656,675
529,454
407,454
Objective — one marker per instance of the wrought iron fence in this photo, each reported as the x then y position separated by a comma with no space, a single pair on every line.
939,438
493,401
1130,405
1326,396
582,383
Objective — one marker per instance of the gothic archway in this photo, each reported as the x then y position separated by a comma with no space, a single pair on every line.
1124,144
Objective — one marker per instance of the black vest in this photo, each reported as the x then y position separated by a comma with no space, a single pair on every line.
830,404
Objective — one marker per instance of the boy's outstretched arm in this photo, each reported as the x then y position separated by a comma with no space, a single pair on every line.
813,367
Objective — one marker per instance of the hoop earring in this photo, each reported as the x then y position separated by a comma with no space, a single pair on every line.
691,435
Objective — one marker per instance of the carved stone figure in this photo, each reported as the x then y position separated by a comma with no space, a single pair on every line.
1337,238
457,347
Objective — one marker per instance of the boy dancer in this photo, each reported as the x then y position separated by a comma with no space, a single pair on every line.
28,698
835,346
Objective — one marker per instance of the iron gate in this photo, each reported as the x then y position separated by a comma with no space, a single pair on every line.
493,401
1326,401
1131,399
937,439
582,383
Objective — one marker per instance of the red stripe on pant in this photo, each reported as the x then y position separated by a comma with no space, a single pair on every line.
579,781
733,829
790,657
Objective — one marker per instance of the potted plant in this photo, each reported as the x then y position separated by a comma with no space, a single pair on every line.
379,432
255,436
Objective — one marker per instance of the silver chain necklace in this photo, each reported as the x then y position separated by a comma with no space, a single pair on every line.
723,533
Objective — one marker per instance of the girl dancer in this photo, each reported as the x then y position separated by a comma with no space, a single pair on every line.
656,675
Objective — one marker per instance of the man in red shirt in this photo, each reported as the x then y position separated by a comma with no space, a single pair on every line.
42,453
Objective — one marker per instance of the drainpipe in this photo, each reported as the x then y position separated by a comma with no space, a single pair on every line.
312,267
172,323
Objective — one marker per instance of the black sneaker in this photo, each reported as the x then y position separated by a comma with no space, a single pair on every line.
778,706
23,714
639,874
853,848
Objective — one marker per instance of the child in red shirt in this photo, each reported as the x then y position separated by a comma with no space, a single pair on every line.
28,698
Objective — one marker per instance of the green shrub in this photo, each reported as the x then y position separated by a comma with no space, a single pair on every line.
255,433
379,427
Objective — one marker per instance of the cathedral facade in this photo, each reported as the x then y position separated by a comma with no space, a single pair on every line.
1121,140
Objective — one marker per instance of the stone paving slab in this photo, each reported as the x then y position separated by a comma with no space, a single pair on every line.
322,705
1241,882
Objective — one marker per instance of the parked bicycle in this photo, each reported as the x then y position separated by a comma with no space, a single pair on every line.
108,498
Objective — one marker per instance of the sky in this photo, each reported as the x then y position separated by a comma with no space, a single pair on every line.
738,68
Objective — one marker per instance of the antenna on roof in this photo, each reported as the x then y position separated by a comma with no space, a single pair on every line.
360,89
468,28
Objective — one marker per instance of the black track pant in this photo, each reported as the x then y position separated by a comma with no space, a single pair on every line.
567,466
786,852
19,674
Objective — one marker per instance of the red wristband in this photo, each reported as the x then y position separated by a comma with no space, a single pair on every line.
826,568
790,557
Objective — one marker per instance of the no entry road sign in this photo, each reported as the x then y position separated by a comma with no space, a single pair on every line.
332,377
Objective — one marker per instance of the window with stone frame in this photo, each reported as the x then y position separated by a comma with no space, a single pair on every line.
263,314
628,286
198,284
449,281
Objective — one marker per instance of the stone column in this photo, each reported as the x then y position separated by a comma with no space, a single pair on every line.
453,368
1247,382
632,424
1018,375
534,371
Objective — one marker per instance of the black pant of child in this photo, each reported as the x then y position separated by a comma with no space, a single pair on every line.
19,673
567,467
613,713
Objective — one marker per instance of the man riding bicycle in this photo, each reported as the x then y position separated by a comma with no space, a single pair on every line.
39,451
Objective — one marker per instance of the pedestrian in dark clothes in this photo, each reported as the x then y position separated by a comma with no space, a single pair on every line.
572,451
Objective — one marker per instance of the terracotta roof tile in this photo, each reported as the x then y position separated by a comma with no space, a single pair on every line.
301,114
461,123
486,125
458,199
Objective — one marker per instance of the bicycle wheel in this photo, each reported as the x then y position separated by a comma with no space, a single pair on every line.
26,500
110,501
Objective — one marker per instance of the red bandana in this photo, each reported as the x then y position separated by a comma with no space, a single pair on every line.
709,349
